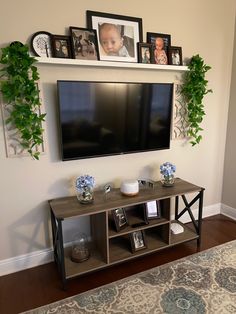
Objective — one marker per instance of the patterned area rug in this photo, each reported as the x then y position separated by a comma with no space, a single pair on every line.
201,283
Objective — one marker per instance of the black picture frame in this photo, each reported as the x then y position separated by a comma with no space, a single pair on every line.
125,31
40,43
157,39
61,46
145,53
137,240
84,43
120,218
152,210
175,55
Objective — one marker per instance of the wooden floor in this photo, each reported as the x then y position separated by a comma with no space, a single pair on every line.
41,285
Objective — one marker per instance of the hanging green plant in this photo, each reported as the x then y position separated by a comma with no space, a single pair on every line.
20,93
194,89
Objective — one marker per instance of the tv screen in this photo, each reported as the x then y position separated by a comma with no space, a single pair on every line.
105,118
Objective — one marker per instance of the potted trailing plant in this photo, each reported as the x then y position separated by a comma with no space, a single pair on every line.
193,90
20,92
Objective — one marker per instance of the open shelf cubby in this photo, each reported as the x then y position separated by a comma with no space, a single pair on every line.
110,245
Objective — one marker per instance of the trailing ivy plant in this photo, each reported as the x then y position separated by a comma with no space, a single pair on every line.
20,92
194,89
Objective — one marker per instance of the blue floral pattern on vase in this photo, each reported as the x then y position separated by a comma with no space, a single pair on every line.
182,301
226,278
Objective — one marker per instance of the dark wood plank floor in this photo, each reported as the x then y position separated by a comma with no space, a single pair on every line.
41,285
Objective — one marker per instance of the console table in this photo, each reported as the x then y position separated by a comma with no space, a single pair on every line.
109,247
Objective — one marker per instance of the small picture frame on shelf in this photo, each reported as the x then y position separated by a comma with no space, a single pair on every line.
138,241
120,218
161,44
84,43
145,53
61,46
175,55
152,210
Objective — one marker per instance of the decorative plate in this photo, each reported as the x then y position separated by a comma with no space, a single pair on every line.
41,44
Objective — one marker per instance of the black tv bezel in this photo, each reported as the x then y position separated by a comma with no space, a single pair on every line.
113,154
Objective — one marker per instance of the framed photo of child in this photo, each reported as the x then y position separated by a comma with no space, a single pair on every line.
84,43
118,35
138,241
175,55
145,53
161,44
120,218
61,46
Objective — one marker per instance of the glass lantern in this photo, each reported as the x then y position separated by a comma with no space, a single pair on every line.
80,248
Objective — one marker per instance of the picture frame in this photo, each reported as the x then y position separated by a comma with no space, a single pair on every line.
138,241
118,35
84,43
175,55
152,210
145,53
161,44
41,44
120,218
61,46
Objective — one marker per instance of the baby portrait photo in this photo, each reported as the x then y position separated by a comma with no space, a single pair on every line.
117,35
161,43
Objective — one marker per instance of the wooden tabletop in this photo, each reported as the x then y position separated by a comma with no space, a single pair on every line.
67,207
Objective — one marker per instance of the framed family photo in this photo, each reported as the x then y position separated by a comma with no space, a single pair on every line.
145,53
138,241
152,210
175,55
118,35
61,46
120,218
84,43
161,43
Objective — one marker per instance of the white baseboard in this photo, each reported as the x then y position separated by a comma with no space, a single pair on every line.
21,262
210,210
228,211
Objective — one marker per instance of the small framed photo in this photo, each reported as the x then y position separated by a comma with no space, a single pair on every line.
138,241
175,55
161,44
145,53
61,46
152,210
120,218
84,43
118,35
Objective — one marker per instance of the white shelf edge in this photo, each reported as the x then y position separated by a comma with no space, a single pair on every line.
95,63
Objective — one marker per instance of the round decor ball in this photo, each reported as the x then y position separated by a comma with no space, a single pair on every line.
130,187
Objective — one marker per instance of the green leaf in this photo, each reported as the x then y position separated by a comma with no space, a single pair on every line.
20,92
193,90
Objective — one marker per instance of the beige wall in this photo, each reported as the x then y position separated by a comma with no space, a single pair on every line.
204,27
228,192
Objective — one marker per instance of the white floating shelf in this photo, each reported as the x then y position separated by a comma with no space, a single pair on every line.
95,63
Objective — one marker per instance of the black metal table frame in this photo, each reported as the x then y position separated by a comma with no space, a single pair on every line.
196,223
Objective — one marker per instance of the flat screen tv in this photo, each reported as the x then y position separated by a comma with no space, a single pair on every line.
105,118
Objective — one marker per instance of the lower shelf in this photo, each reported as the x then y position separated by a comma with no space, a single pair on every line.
72,269
187,235
120,248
